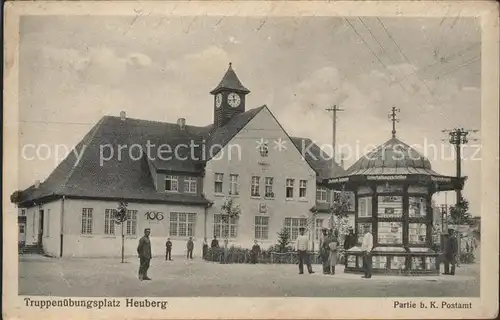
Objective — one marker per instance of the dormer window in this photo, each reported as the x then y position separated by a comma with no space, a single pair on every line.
171,183
190,185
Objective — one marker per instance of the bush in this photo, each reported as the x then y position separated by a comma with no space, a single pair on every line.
467,257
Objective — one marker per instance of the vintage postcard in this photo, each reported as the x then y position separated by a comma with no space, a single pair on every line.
253,160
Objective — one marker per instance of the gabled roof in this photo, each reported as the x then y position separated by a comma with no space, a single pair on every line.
120,176
217,139
317,159
230,81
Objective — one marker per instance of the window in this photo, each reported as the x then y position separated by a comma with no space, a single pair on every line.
109,221
321,194
182,224
255,190
293,225
190,185
390,232
289,188
219,177
131,223
417,233
390,206
221,226
269,187
87,222
261,227
264,149
418,207
22,228
234,188
302,188
172,183
23,212
317,229
335,196
365,207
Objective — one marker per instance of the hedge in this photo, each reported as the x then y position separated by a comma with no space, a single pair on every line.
241,255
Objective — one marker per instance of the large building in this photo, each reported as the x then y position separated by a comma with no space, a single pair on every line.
176,178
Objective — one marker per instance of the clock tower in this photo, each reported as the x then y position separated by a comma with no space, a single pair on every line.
229,98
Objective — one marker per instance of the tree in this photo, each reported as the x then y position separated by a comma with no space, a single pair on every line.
229,211
121,216
16,196
340,209
284,240
459,213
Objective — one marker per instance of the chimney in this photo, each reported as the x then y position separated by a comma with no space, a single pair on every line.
37,184
181,122
342,161
123,115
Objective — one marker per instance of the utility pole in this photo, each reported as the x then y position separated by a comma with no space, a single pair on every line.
459,137
334,109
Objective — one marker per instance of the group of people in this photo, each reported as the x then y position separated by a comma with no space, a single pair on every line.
329,250
190,248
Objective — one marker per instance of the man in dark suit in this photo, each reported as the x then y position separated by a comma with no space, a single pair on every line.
450,253
190,247
215,243
144,252
255,252
350,239
168,247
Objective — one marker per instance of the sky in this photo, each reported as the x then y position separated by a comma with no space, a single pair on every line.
76,69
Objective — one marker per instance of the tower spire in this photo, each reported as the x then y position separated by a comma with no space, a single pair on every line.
394,119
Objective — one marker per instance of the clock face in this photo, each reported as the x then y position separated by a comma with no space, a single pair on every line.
233,99
218,100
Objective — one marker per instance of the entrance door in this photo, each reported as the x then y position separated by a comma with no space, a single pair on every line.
22,233
40,229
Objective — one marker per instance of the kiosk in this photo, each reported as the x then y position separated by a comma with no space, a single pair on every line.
393,187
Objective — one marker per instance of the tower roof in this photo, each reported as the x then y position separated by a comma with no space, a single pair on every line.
230,81
393,157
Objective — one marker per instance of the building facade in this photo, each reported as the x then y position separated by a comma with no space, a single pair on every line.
175,179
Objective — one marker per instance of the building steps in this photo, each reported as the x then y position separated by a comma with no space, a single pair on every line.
31,249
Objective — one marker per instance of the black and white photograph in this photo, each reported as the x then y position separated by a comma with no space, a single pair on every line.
190,151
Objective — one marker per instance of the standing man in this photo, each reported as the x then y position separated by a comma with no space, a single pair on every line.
302,245
190,247
350,239
215,242
325,251
255,252
204,250
144,252
366,248
332,246
168,247
450,253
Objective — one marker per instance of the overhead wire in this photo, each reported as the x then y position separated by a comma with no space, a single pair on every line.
405,57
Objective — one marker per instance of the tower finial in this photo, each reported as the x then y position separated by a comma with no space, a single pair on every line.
230,65
393,119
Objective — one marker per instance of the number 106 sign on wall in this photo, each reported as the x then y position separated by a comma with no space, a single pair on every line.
153,215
